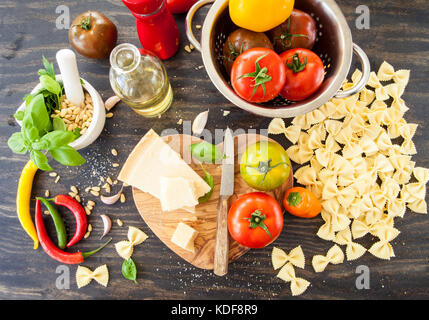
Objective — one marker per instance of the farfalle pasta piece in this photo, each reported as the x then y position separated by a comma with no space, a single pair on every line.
396,91
418,206
385,72
296,257
367,96
328,109
383,249
339,219
315,140
359,229
352,151
383,141
396,207
135,237
297,285
390,188
401,77
306,175
382,164
369,147
415,191
334,255
346,196
421,174
277,126
299,155
330,189
84,276
353,250
326,232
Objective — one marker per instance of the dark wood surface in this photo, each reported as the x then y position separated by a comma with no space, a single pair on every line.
399,33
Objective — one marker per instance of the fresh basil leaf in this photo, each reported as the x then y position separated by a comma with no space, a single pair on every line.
129,270
59,124
16,143
67,156
32,134
49,67
210,181
27,98
36,115
40,160
50,84
57,138
40,145
205,152
19,115
76,132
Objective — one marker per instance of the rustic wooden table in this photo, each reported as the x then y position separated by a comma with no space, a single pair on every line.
398,33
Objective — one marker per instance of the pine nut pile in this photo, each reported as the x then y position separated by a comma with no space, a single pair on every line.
76,117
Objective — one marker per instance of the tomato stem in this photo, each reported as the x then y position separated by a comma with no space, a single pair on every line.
265,166
296,65
257,220
294,199
286,36
260,76
85,23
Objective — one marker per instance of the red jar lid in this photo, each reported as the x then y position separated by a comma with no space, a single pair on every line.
143,6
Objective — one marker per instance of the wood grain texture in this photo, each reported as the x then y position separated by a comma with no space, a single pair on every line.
205,218
398,33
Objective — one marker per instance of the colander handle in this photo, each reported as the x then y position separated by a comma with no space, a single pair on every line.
188,22
366,70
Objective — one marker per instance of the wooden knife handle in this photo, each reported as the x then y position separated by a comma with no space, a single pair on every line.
222,246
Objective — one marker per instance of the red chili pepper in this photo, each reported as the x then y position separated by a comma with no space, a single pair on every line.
51,249
79,214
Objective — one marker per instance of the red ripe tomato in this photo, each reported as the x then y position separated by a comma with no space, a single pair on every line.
304,74
180,6
255,220
258,75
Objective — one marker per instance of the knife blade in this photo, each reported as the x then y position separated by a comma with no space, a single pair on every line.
226,190
227,179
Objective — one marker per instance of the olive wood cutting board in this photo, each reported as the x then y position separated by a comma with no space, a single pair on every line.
163,224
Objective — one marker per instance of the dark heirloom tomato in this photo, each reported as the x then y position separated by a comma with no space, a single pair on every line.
299,31
241,40
258,75
304,74
255,220
93,35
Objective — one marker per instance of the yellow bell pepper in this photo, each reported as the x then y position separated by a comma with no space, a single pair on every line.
23,196
260,15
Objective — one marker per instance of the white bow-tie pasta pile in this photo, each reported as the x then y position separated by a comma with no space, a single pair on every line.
356,157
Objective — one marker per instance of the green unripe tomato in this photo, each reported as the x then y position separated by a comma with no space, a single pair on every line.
265,165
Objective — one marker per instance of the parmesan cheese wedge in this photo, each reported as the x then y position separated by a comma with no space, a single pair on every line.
177,193
184,237
154,167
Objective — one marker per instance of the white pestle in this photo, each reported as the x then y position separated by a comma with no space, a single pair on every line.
66,60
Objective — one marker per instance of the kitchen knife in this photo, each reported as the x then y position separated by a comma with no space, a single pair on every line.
226,190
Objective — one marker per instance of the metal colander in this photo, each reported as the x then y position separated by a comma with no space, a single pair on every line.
333,45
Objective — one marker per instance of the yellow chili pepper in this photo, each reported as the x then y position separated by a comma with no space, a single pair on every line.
23,196
260,15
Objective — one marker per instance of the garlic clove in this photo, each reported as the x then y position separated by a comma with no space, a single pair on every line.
200,122
111,102
107,222
111,199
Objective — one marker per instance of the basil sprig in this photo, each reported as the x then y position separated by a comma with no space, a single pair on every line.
40,134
